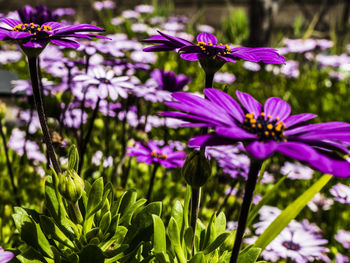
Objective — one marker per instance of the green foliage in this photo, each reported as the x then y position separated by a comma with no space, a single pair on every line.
235,26
110,230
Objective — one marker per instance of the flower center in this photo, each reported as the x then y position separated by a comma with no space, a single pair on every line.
104,80
31,28
265,129
218,50
291,245
161,156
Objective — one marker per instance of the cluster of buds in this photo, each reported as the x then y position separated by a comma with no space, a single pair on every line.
71,185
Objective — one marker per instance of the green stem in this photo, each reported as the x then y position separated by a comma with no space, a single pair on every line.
41,112
78,217
8,163
255,166
196,196
151,183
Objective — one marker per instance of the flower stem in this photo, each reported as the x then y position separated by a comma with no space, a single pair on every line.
151,183
41,112
88,135
8,163
195,200
209,78
255,166
78,217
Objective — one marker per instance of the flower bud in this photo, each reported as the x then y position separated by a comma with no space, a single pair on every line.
71,185
196,169
2,110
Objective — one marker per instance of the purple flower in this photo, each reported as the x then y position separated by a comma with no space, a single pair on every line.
339,258
33,35
296,171
169,81
224,78
5,256
264,130
106,81
341,193
38,15
151,153
343,237
320,202
207,47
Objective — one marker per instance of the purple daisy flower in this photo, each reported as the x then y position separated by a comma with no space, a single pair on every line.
5,256
169,81
151,153
264,130
207,47
343,237
38,15
33,35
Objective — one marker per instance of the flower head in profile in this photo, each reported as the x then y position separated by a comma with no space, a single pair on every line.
264,130
35,36
151,153
5,256
207,46
169,81
38,15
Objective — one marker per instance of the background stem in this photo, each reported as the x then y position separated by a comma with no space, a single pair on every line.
151,183
41,112
195,200
255,166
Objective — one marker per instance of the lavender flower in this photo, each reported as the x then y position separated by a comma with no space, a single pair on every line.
224,78
5,256
341,193
144,9
264,131
320,203
207,47
343,237
101,5
339,258
296,171
106,81
33,35
151,153
169,81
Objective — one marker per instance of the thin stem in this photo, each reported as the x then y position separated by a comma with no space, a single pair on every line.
195,200
209,78
77,213
151,183
88,135
8,163
41,112
247,200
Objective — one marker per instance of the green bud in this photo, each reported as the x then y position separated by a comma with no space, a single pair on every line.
196,169
2,110
71,185
73,158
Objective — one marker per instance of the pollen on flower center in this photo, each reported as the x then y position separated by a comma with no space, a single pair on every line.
291,245
31,28
265,129
105,81
161,156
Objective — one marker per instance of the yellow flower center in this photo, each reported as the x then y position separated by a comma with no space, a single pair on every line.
31,28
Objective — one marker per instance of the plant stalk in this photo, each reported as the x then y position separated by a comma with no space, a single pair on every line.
195,201
41,112
151,183
255,166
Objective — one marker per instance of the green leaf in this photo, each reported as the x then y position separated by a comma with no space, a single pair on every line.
31,256
220,224
73,158
290,213
105,222
198,258
129,211
53,232
267,197
159,239
91,254
177,213
174,236
32,234
216,243
249,255
95,198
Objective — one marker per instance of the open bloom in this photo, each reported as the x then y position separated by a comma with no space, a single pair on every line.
207,46
151,153
264,130
38,15
106,82
32,35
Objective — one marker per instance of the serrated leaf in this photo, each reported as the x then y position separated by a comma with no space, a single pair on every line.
290,213
159,239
